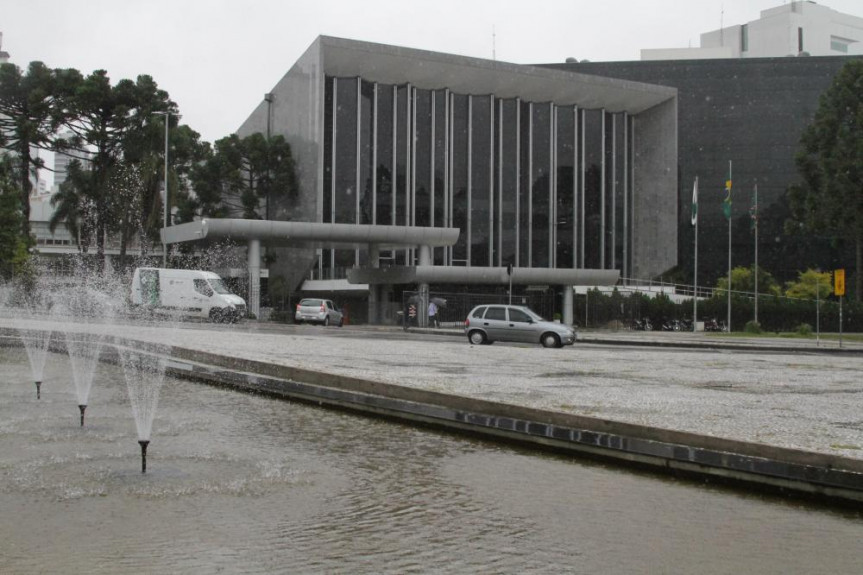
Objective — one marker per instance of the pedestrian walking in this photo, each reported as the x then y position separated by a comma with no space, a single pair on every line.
433,321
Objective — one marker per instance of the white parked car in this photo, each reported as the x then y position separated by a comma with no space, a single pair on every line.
322,311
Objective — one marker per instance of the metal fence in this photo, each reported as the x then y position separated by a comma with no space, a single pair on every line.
451,309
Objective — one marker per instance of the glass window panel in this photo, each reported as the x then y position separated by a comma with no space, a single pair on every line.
386,189
459,158
367,123
496,313
481,204
524,186
402,129
565,212
423,158
541,182
619,184
345,172
327,204
516,315
509,181
592,187
440,164
610,200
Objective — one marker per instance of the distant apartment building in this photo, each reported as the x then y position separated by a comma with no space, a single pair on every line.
793,29
4,56
62,161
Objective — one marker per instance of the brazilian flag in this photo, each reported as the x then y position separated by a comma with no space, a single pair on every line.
726,203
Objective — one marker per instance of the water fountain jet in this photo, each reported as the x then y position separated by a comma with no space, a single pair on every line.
144,443
32,305
36,343
144,370
84,313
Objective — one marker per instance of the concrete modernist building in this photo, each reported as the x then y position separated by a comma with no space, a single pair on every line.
788,30
536,168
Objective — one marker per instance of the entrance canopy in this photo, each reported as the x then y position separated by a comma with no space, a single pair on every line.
309,234
257,233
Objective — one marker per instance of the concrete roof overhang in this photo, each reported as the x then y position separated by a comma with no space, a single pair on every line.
463,75
308,234
482,275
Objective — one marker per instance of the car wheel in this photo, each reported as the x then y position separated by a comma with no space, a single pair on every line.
298,321
476,337
326,321
341,321
550,340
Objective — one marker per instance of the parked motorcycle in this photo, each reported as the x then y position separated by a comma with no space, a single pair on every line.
641,325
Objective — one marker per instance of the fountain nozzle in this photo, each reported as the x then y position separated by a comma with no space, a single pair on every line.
82,408
144,443
38,391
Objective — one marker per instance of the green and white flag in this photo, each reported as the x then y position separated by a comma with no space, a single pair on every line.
695,202
726,203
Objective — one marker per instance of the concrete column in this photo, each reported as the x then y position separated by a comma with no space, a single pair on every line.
254,254
425,256
567,304
423,311
374,289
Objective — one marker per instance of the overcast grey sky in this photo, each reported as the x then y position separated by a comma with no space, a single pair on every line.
217,58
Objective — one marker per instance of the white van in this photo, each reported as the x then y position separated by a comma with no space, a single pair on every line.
192,292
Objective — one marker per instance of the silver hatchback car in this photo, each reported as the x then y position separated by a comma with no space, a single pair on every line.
322,311
487,324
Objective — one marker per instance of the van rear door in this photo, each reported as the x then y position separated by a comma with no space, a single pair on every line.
150,292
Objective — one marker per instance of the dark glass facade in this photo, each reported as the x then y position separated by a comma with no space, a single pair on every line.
750,111
534,184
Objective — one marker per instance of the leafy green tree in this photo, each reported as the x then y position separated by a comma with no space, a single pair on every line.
811,284
74,205
248,177
13,243
743,280
126,192
31,109
110,124
830,162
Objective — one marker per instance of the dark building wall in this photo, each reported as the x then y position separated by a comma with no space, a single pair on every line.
751,112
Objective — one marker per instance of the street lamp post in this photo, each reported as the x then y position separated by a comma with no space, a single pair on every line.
167,114
268,98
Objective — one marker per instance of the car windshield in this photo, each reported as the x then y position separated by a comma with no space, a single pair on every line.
311,303
219,286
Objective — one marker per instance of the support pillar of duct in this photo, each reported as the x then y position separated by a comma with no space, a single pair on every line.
567,305
425,259
375,290
254,256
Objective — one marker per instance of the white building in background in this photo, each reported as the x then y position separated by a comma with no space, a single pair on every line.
4,56
62,161
793,29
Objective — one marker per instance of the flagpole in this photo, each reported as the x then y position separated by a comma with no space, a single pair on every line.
728,322
695,272
755,220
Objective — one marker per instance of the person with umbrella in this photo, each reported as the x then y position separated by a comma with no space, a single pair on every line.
433,314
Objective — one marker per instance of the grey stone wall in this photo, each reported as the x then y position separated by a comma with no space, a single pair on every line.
654,232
